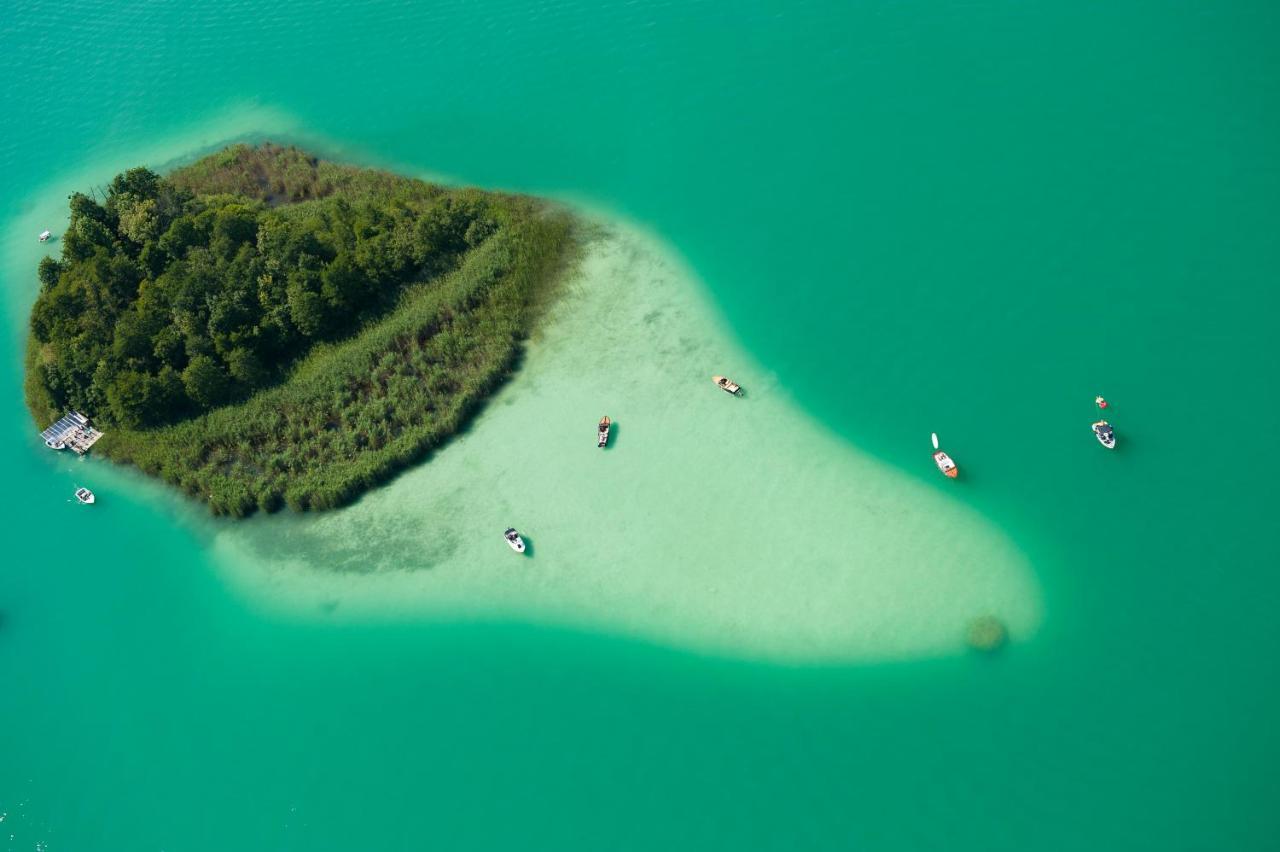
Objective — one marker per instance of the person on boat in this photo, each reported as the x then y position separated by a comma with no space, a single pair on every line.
1102,403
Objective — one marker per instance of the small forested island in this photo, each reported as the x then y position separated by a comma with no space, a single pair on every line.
262,328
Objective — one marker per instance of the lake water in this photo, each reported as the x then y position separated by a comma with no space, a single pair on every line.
968,218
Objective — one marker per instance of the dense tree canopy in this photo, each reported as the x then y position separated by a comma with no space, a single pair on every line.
185,315
168,302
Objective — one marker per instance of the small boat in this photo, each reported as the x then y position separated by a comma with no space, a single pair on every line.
943,461
602,434
85,496
44,236
514,540
1106,435
56,445
726,385
1100,402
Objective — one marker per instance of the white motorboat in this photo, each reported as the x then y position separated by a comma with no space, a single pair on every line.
85,496
727,386
1105,434
514,540
943,461
602,434
44,236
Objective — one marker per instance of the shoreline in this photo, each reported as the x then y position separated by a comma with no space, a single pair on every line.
427,546
742,528
308,396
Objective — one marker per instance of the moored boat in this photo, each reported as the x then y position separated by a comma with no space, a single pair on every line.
1105,434
727,386
85,496
514,540
44,236
602,433
943,461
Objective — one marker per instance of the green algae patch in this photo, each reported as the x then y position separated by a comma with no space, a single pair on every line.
262,328
986,633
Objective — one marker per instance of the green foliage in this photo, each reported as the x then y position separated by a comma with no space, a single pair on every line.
135,397
206,382
258,353
198,274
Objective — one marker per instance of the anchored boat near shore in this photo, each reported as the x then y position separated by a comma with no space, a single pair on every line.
727,386
85,496
602,433
514,540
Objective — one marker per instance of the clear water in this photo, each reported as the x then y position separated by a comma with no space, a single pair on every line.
969,218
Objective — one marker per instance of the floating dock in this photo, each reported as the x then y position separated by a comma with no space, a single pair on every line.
72,431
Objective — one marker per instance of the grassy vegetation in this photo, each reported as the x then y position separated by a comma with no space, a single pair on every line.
354,409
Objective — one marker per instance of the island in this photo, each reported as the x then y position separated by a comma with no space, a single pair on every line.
263,328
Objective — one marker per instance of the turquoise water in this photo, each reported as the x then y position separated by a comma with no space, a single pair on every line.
963,218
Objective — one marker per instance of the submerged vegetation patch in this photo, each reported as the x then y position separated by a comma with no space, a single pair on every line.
987,633
263,328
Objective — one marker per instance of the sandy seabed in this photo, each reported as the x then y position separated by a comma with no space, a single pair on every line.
726,526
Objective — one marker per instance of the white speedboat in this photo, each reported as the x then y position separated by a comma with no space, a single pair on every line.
602,434
85,496
1105,434
514,540
44,236
943,461
727,386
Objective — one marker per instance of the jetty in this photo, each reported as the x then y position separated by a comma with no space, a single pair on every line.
72,431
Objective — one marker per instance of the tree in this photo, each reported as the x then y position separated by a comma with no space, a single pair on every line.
132,339
167,346
246,367
48,272
342,285
181,236
137,399
138,220
206,382
139,183
307,308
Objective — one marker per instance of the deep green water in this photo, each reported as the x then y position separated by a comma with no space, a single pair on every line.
968,218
